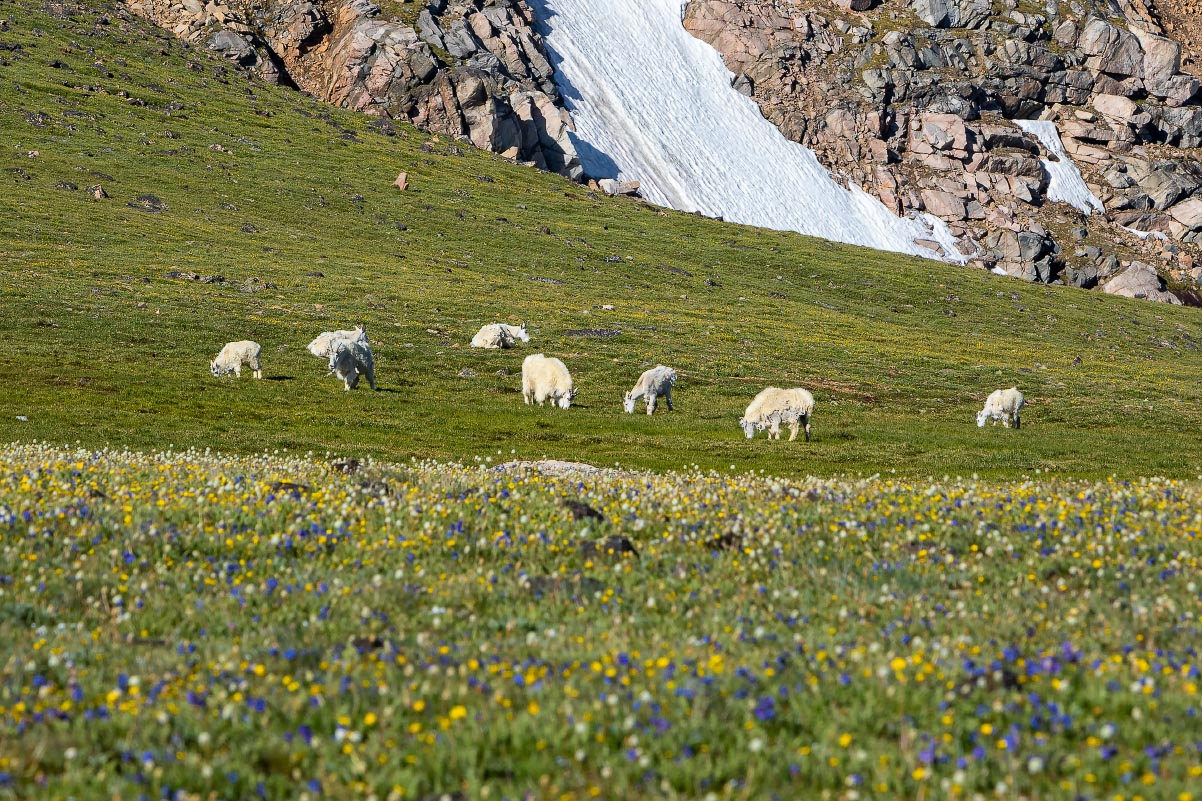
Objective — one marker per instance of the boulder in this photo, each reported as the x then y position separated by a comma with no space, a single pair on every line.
1181,90
1139,281
429,29
1033,246
612,187
1161,61
952,13
1143,221
459,40
940,132
1188,213
1111,49
944,205
234,47
1182,127
1115,107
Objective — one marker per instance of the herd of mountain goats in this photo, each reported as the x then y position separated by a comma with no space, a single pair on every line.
546,379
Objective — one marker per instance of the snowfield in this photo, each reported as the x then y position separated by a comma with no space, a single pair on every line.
655,105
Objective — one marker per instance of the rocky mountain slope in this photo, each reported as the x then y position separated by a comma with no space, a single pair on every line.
927,104
917,103
474,68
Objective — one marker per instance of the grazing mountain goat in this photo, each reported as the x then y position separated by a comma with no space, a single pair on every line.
773,406
323,346
546,379
1004,405
236,354
652,384
350,358
500,335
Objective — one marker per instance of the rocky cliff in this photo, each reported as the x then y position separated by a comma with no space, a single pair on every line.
1059,139
470,68
926,105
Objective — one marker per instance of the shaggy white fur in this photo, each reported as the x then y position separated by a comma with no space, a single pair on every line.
350,358
323,345
234,355
500,335
772,407
651,385
1002,405
547,379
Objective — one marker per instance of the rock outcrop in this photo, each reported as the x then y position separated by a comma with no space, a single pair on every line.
917,103
474,69
925,103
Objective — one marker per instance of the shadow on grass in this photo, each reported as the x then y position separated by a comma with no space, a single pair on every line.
279,378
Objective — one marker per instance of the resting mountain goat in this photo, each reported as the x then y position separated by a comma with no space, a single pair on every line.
651,385
1003,405
772,407
323,346
500,335
236,354
546,379
350,358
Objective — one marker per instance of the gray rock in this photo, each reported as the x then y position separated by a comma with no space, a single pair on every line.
429,30
1188,213
1140,281
234,47
460,42
1111,49
1182,127
1161,61
952,13
1033,246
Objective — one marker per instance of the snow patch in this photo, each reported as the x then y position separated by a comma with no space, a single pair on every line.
1146,234
943,235
652,104
1066,185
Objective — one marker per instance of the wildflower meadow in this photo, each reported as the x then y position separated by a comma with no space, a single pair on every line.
183,625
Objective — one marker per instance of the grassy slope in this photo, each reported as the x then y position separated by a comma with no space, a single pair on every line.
101,347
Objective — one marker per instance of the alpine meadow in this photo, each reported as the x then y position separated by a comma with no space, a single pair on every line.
220,587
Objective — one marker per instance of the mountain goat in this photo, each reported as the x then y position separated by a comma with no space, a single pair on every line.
546,379
651,385
350,358
234,355
772,407
1003,405
323,346
500,335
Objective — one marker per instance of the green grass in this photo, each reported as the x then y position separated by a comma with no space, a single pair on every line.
102,348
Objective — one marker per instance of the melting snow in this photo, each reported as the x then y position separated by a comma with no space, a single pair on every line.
1146,234
1066,185
653,104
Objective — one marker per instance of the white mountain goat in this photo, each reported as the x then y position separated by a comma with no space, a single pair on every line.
774,407
236,354
546,379
322,346
651,385
1003,405
500,335
350,358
